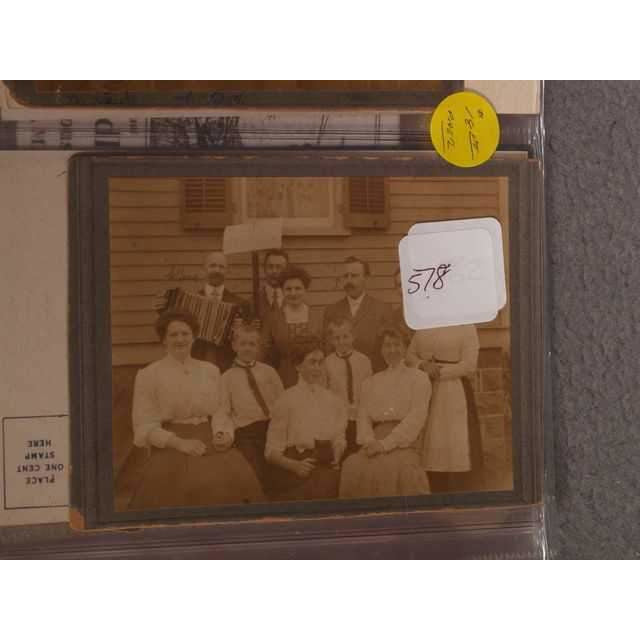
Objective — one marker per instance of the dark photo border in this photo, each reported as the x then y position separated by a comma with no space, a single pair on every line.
90,354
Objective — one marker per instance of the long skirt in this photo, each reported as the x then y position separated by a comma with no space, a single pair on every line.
396,473
351,435
284,485
452,439
457,480
174,479
250,441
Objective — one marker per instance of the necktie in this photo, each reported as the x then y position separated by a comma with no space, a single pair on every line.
276,299
349,376
255,389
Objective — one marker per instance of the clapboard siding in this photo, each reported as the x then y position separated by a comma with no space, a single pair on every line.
158,214
151,251
144,199
143,302
243,287
240,272
300,256
428,201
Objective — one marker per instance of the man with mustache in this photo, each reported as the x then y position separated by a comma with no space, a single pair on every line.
368,315
271,297
215,268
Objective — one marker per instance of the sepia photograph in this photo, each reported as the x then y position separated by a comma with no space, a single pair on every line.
259,349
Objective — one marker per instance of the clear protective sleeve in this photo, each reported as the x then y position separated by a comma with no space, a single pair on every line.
300,140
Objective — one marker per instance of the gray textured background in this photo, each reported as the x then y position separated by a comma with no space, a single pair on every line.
592,189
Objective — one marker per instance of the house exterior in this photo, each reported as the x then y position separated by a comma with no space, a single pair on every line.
157,244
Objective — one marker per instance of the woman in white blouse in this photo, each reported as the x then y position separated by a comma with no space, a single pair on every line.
391,418
452,453
173,401
306,436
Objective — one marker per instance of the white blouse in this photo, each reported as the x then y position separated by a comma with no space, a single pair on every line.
456,345
398,393
303,414
172,391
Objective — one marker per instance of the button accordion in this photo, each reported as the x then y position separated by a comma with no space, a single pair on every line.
215,317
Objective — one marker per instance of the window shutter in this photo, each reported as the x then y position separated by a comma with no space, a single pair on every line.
368,203
205,203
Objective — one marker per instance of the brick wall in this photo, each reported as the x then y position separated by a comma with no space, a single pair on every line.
492,385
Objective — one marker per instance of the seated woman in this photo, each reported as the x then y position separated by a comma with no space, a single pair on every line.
282,326
306,435
391,417
173,401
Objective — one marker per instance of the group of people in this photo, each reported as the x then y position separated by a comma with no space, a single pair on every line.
298,407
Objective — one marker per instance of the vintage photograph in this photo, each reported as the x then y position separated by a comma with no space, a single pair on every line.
275,365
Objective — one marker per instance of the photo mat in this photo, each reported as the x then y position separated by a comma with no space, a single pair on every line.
156,242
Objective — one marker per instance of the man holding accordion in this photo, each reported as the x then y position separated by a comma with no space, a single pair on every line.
217,308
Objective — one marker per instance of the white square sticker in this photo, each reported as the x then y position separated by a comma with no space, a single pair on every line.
450,275
492,226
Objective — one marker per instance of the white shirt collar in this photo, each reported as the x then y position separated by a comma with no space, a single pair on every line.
273,291
354,303
209,290
304,385
401,366
245,365
174,362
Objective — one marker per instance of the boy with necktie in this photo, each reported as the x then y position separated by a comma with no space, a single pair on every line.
346,371
249,389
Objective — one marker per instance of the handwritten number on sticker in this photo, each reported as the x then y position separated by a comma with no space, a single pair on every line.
451,140
427,274
464,129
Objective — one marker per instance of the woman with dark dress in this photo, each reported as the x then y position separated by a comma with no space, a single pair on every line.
173,401
283,326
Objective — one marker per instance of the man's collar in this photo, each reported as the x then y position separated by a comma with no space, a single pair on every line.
356,300
209,289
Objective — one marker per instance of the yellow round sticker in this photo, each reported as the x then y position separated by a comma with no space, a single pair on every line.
464,129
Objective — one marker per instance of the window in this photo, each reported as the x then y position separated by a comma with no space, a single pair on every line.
205,203
368,203
316,205
308,206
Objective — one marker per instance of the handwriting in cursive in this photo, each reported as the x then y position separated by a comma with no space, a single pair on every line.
427,274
